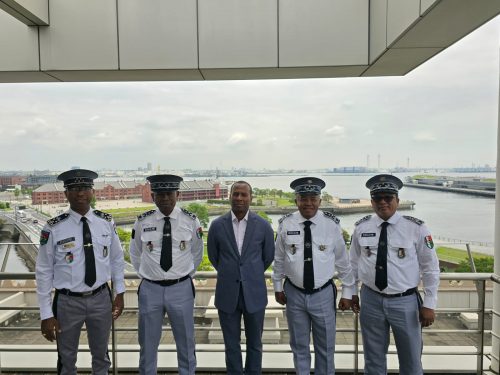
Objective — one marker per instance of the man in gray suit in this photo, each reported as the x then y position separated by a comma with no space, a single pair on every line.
241,248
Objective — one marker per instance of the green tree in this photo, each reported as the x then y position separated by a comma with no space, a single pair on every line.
199,210
17,192
483,264
125,237
346,236
205,264
2,205
327,197
92,201
263,215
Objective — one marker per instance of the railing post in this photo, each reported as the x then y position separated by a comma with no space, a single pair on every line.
356,343
481,294
114,356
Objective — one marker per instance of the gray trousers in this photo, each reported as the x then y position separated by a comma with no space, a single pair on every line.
71,313
317,312
177,301
379,314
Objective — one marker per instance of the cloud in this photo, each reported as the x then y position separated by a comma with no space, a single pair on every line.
424,137
94,118
336,130
237,138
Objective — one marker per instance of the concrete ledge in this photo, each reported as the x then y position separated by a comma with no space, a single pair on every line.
469,320
276,359
16,299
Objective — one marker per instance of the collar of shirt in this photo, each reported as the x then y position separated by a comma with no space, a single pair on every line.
234,219
76,217
314,219
392,220
173,215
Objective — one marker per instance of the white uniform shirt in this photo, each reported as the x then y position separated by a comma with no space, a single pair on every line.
239,229
328,250
410,256
61,258
187,244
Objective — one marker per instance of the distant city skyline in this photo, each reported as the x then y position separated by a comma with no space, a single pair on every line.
442,114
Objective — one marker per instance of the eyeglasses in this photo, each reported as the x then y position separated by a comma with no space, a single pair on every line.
380,198
79,188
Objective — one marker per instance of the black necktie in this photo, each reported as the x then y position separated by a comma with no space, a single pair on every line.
166,246
89,254
381,267
308,257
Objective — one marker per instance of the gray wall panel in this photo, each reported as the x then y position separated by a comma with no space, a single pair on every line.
378,28
81,35
400,15
316,35
238,33
18,45
158,34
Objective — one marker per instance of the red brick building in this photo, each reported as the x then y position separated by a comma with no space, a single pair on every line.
114,190
194,190
119,190
12,180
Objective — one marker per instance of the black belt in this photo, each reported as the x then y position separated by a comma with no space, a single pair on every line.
168,282
409,292
82,294
312,291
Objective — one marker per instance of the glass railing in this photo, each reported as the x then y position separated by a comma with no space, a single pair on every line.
467,324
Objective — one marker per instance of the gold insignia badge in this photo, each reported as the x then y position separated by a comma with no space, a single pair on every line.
182,245
69,245
322,247
401,253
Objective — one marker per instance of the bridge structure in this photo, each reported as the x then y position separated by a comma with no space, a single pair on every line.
172,40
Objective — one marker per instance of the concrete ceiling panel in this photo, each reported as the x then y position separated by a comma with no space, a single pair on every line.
158,34
316,36
126,75
401,14
378,28
81,35
238,33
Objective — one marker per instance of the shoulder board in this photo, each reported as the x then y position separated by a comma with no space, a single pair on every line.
414,219
363,219
331,216
146,214
103,215
57,219
188,213
284,217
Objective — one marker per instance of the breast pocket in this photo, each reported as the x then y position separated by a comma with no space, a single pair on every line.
369,246
294,248
401,251
151,241
102,247
182,239
323,249
66,254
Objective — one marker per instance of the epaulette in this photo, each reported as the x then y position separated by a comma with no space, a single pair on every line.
103,215
414,219
331,216
284,217
145,214
57,219
363,219
188,213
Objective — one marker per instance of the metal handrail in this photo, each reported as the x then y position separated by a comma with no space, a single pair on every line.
480,278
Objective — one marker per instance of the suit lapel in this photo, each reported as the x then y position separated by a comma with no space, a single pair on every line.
248,233
228,226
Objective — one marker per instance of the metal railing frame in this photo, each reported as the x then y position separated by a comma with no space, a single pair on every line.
479,278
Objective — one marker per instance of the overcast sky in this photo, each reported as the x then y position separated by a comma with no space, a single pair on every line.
443,114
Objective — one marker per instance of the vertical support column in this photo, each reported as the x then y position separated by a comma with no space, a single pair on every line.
495,351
